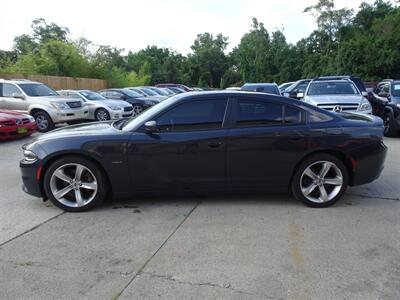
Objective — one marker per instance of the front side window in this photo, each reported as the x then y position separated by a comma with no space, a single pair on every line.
396,89
37,90
194,115
258,113
9,90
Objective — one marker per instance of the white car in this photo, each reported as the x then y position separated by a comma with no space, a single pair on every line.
40,101
100,108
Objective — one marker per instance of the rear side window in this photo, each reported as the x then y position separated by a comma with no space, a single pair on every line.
9,89
258,113
293,115
194,115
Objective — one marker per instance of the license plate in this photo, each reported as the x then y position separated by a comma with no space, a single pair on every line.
22,130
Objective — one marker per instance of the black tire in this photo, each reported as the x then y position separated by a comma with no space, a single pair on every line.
389,130
44,122
102,111
313,161
96,174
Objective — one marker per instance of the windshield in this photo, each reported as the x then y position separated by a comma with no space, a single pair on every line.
396,89
37,90
149,92
134,122
93,96
332,88
131,93
160,92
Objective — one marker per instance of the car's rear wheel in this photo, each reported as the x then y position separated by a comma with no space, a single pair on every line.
388,121
137,109
102,114
44,122
320,180
75,184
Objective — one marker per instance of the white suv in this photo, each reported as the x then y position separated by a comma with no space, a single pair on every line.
40,101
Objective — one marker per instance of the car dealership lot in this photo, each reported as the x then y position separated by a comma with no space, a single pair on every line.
266,247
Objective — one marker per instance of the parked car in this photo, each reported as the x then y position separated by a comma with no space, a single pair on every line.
100,108
269,88
385,100
145,92
14,124
175,85
285,85
297,89
336,95
209,142
138,102
40,101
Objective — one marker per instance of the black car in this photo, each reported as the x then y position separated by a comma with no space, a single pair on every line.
269,88
139,102
297,89
208,142
385,101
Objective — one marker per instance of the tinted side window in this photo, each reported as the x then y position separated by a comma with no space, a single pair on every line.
255,113
194,115
378,89
293,115
9,90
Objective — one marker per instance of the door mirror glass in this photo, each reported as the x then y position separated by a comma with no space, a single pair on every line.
300,95
18,96
151,126
364,94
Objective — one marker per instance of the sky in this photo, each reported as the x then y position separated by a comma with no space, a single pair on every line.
135,24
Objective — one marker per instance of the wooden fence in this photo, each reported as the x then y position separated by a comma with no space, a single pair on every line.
59,82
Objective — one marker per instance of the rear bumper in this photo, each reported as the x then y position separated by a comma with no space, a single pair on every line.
368,163
30,184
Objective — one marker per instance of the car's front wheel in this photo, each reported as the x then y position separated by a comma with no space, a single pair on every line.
320,180
137,109
388,121
102,114
44,122
75,184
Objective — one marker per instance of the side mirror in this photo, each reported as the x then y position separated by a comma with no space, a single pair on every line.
300,95
364,94
383,94
151,126
286,94
18,96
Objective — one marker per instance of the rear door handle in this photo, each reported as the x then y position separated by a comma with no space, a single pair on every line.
214,144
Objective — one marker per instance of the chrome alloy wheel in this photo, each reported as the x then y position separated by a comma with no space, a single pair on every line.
41,122
137,110
321,181
102,115
73,185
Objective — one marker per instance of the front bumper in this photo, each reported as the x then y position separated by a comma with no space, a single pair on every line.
15,131
368,163
118,114
60,116
31,178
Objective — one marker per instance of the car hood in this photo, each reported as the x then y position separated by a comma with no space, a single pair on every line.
10,115
335,99
85,129
57,98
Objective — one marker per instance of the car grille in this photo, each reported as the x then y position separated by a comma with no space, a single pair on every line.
339,106
13,123
128,108
75,104
25,121
8,123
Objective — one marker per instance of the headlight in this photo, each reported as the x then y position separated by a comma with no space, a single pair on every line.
114,107
60,105
365,106
149,102
30,156
31,119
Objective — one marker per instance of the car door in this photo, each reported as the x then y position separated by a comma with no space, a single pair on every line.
265,143
188,151
10,101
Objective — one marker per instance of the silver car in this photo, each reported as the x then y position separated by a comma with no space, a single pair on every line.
336,95
100,108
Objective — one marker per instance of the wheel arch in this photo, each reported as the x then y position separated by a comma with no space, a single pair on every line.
45,166
334,152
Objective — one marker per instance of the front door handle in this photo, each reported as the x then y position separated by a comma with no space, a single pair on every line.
214,144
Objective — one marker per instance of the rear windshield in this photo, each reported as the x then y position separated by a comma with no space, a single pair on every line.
332,88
